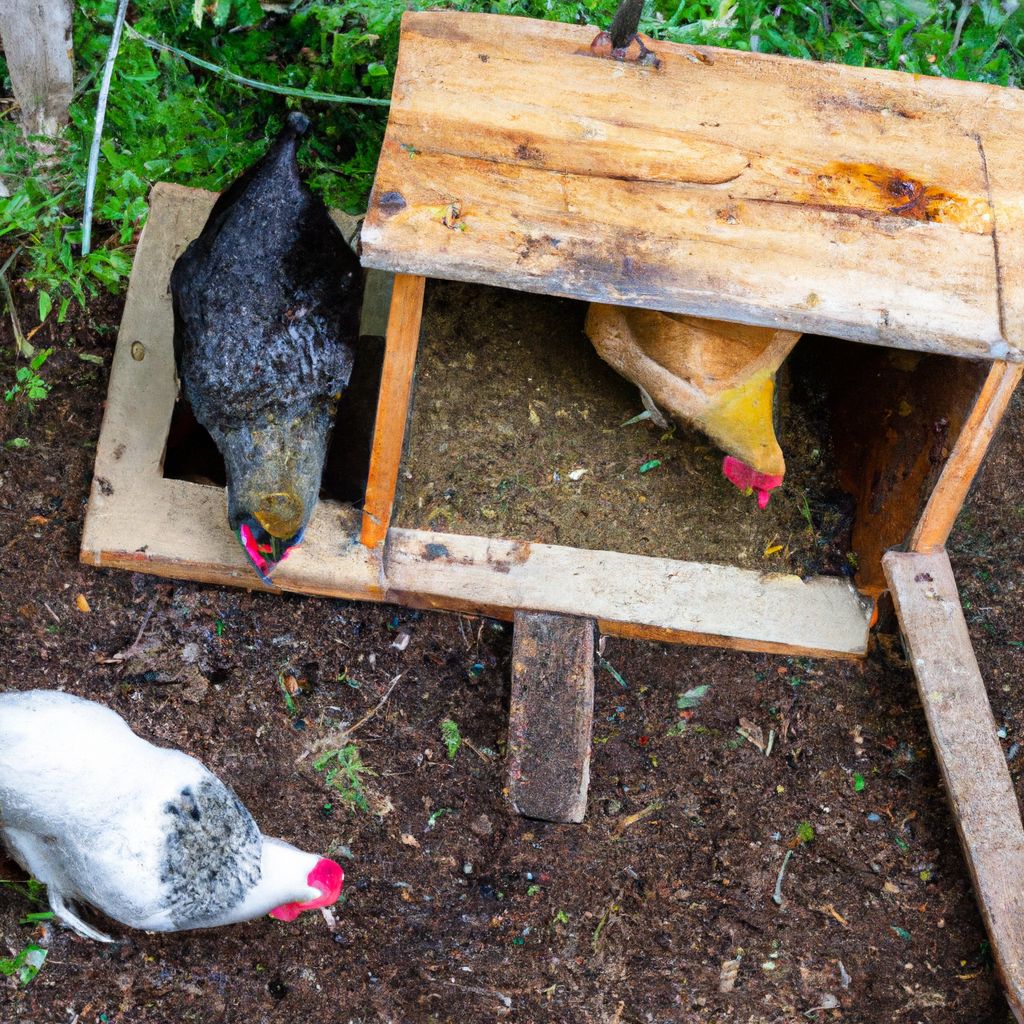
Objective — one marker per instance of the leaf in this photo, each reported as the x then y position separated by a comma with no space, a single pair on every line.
648,466
26,964
45,305
88,357
221,12
451,736
17,442
692,698
197,13
858,782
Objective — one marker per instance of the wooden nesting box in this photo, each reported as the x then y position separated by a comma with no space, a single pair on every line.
858,206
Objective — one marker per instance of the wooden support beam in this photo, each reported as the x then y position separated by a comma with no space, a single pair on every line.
950,492
403,337
550,716
972,761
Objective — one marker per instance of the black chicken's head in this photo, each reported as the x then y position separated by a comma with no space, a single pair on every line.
273,474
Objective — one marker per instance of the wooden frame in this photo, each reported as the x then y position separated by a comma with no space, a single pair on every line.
141,521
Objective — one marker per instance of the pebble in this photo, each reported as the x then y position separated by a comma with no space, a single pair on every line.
467,868
190,653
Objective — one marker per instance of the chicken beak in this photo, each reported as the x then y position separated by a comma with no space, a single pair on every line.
326,878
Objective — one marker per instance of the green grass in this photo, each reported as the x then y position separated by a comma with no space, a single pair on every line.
170,120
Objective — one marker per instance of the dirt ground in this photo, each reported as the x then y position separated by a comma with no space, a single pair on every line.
535,447
482,916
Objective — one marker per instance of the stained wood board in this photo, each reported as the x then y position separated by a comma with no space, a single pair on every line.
869,205
140,521
973,765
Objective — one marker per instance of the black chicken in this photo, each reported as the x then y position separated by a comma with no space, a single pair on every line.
266,318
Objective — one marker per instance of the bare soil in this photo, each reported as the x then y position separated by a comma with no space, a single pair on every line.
485,916
518,430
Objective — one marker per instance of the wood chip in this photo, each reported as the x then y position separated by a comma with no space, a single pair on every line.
82,605
408,839
727,976
752,733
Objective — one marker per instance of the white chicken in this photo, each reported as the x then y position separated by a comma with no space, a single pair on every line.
144,834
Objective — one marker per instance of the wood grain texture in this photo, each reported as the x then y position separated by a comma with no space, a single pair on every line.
868,205
950,491
972,761
138,520
897,418
551,715
37,45
403,336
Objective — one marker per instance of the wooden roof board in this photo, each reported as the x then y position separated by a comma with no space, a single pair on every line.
870,205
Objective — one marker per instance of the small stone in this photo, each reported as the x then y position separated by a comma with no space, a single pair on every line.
190,653
467,868
481,826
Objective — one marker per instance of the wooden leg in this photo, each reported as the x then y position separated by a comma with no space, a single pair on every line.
392,406
973,765
950,492
551,715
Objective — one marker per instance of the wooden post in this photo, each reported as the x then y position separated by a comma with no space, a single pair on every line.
36,37
950,492
551,715
392,406
973,765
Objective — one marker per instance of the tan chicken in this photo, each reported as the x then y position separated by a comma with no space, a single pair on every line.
716,376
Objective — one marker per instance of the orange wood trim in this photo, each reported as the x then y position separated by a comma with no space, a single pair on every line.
950,492
392,406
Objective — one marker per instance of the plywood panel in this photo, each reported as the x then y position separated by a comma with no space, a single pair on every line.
867,205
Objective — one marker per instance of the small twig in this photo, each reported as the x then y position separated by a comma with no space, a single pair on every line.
490,993
771,743
282,90
54,615
632,819
777,895
134,648
965,10
20,343
369,714
97,131
479,753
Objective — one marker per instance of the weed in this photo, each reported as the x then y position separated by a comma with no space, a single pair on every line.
29,386
33,890
451,736
343,770
805,832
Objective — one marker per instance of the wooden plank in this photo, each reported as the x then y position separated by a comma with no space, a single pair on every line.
950,492
403,336
817,198
551,715
447,570
896,418
972,761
